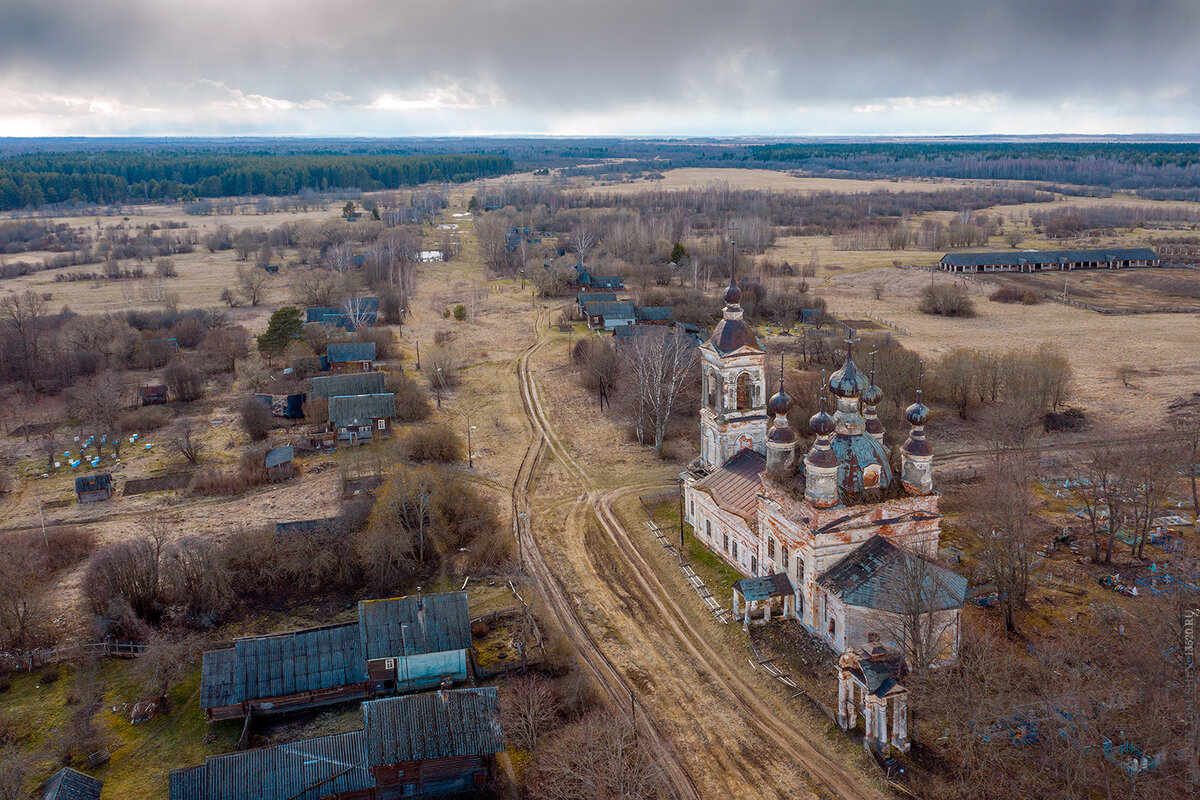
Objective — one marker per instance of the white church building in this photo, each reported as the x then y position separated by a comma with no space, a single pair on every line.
830,536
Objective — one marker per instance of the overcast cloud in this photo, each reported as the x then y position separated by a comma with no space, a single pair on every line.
655,67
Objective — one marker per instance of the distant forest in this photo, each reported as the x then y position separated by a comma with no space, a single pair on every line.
35,179
40,172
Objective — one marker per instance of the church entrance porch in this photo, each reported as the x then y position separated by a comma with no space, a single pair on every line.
772,594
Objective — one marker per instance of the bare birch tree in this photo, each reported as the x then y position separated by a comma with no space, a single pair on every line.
662,365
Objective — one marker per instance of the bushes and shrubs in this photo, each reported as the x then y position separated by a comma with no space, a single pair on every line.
946,300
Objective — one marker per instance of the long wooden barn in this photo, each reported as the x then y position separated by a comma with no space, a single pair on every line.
400,644
1049,260
424,745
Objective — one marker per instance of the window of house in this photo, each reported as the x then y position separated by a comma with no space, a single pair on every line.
708,529
753,565
743,391
382,424
783,557
364,428
725,542
770,548
735,550
692,506
832,626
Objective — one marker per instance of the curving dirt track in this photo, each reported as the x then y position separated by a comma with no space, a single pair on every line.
716,733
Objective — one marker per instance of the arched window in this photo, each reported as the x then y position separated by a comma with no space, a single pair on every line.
871,476
743,391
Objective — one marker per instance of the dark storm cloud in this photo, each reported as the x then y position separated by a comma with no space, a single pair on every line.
494,64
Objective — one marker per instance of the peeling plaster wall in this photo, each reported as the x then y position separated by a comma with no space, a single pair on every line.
703,513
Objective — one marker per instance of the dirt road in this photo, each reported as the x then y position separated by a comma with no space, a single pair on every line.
720,729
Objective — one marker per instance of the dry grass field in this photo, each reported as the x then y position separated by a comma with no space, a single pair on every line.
769,180
1122,289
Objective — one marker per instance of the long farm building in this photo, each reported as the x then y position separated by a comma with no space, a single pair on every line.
1049,260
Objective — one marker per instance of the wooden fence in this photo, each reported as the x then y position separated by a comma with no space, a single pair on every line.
33,659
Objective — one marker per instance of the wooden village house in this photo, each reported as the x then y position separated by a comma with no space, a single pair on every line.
350,356
397,645
346,384
835,531
425,745
358,419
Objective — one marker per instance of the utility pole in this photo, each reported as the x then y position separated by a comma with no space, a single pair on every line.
418,355
681,520
470,457
437,386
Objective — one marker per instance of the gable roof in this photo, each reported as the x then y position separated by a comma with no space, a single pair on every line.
217,677
652,313
93,483
413,625
278,455
346,384
615,309
303,770
1017,257
875,573
350,351
361,409
777,585
443,724
298,661
586,297
735,484
69,784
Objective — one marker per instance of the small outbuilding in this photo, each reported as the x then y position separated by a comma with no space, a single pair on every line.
70,784
92,488
284,406
278,462
153,394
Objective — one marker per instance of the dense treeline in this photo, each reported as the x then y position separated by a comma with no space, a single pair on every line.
36,179
1116,165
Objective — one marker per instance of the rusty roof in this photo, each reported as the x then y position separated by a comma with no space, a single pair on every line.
735,484
877,574
761,588
731,334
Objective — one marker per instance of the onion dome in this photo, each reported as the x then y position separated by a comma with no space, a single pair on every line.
872,395
733,295
822,423
848,381
917,413
780,403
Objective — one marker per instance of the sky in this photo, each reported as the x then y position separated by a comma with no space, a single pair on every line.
598,67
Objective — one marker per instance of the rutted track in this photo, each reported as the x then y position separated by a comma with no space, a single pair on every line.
647,599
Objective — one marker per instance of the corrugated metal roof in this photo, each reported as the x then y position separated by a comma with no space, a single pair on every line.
305,770
93,483
614,309
350,351
299,661
585,297
652,313
361,409
433,725
319,313
187,784
397,626
876,573
347,384
217,678
69,784
279,455
735,484
777,585
1017,257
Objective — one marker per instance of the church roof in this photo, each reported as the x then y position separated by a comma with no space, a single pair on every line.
776,585
732,334
873,576
735,484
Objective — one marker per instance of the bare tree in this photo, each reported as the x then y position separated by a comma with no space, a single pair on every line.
1095,484
1144,475
529,710
164,661
100,402
185,439
597,758
599,367
25,317
358,312
1004,511
339,257
662,365
582,241
1187,426
922,618
252,283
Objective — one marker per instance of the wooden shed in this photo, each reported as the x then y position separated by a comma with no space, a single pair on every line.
351,356
92,488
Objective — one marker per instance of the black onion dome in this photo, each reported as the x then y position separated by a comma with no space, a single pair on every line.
917,413
848,381
733,295
872,395
822,423
781,434
780,403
